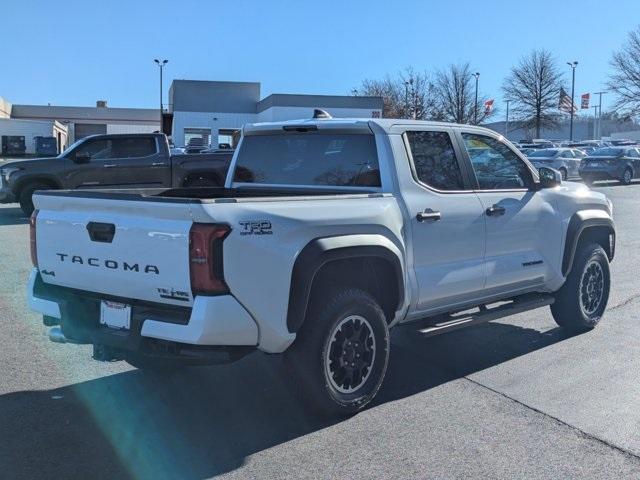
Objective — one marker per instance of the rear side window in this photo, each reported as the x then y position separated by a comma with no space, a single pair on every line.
133,147
341,160
104,149
435,161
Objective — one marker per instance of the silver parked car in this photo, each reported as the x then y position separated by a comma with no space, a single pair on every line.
565,160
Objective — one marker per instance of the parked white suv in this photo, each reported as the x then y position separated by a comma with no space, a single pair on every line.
327,234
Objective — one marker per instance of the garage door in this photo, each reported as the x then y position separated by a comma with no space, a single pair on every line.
82,130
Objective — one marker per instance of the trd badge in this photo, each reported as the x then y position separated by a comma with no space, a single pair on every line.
255,227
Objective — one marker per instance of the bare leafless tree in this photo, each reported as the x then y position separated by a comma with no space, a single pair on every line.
392,106
407,95
624,81
455,93
455,96
534,88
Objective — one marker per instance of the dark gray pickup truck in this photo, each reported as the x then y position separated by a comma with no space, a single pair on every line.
111,161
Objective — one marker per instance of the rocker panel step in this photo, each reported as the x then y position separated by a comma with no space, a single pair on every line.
456,321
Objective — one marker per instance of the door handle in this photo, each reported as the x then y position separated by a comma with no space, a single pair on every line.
109,165
428,215
495,211
158,164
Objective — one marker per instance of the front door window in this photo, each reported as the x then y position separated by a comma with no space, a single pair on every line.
496,166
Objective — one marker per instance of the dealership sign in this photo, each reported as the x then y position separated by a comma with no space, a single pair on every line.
584,103
488,106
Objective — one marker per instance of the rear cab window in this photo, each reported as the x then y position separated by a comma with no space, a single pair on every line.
308,159
133,147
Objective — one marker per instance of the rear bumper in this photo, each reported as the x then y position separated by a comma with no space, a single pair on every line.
600,173
214,325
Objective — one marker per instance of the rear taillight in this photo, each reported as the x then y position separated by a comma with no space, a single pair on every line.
32,238
205,258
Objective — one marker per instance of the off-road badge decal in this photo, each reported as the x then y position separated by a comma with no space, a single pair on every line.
171,294
255,227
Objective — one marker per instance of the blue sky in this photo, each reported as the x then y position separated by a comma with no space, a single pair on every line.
74,52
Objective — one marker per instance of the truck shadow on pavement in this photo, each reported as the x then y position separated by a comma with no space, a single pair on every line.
12,216
208,420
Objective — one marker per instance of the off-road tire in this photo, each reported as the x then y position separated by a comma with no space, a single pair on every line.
575,307
315,359
26,200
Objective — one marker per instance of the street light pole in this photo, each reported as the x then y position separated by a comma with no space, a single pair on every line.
506,123
475,105
595,118
573,66
599,133
161,64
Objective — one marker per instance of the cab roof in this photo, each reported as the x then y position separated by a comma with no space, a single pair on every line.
386,124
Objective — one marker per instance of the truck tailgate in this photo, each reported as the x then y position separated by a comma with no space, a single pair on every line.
123,248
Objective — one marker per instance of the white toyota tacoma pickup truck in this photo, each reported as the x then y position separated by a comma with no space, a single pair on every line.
327,234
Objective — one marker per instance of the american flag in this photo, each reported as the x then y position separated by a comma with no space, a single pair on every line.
565,104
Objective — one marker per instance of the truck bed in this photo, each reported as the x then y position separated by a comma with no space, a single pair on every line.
148,251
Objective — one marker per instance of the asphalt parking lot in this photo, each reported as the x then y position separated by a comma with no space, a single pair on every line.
514,398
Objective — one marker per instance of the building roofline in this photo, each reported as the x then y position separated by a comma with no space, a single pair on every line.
23,105
62,119
73,113
214,81
311,101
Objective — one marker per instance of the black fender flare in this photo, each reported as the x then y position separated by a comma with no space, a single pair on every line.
321,251
33,178
578,223
210,165
214,174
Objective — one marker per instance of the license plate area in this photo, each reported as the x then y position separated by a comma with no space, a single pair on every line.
115,315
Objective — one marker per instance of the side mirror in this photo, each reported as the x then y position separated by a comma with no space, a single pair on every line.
82,157
549,177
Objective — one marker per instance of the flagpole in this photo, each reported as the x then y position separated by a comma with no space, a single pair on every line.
573,66
475,106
